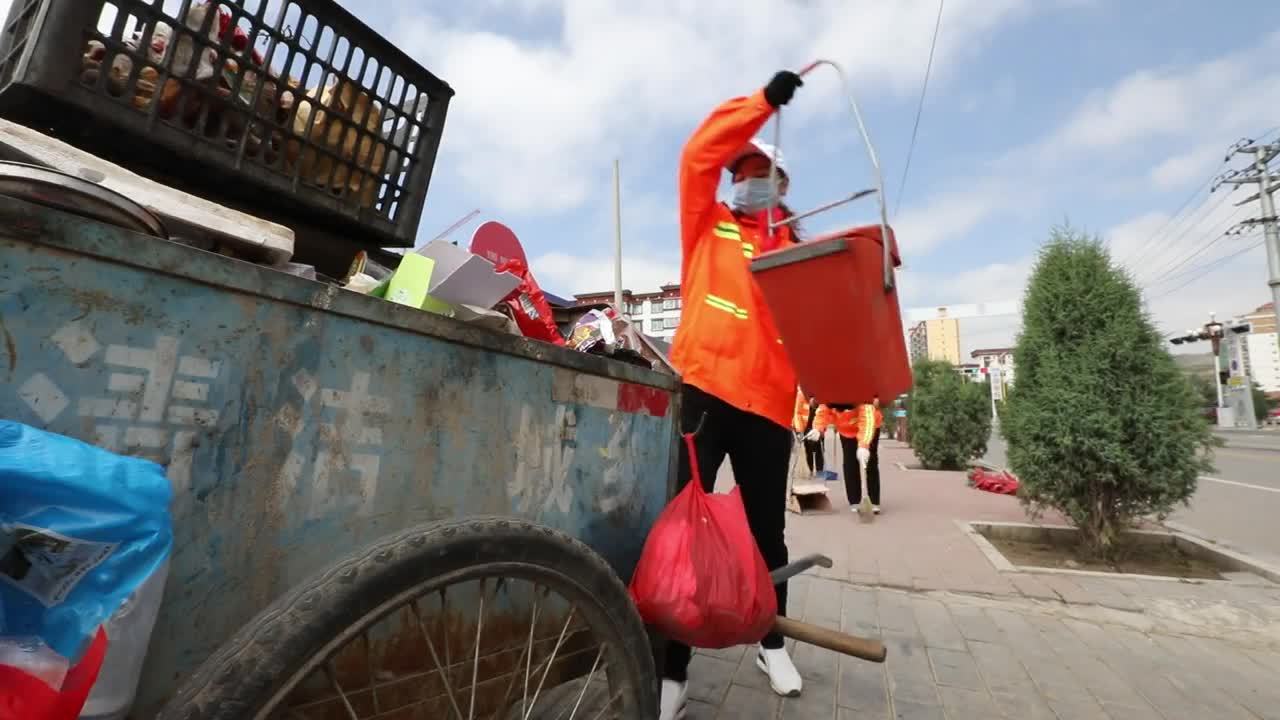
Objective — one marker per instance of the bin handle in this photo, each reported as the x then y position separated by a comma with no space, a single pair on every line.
887,256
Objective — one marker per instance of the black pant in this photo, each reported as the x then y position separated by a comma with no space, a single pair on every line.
853,471
759,452
813,455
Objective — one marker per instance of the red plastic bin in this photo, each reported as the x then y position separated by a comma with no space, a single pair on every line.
841,328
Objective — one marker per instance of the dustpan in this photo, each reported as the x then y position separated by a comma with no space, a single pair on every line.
863,353
806,497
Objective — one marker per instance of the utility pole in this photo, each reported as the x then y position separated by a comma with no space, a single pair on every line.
1257,173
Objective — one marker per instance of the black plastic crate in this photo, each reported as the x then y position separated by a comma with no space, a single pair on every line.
295,107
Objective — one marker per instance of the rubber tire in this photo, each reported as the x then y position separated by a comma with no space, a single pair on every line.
245,673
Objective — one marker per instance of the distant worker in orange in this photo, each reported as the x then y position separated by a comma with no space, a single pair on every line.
810,423
859,430
729,353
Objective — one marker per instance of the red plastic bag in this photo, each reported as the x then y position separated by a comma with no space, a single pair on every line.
701,579
25,697
529,306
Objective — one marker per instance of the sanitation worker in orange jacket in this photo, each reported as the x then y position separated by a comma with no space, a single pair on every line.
859,430
810,423
735,371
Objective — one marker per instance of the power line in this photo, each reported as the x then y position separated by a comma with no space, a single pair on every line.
1208,268
1223,231
1145,244
1155,259
924,88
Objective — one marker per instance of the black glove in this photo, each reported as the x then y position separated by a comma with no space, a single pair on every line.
781,88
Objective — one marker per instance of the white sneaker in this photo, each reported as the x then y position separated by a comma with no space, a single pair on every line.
674,700
783,676
875,509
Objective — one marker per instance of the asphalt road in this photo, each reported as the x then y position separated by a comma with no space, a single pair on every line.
1238,505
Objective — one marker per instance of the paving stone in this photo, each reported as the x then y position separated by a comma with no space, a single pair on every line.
863,687
1105,593
1068,589
744,703
749,674
1128,712
962,704
906,710
895,613
999,667
955,669
1032,586
910,688
823,605
847,714
1079,707
936,625
974,624
820,669
809,706
732,654
700,711
1054,680
858,612
1026,704
710,677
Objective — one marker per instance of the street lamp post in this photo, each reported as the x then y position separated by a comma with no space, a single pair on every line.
1214,330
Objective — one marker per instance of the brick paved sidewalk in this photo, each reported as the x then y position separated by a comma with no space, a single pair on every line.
967,641
969,658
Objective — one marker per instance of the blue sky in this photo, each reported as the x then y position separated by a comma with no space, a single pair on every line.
1109,114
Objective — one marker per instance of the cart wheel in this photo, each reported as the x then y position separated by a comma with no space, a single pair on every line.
480,618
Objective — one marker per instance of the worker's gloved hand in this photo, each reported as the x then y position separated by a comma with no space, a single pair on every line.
813,435
781,88
864,455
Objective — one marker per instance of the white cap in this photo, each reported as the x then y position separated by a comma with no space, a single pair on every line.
760,147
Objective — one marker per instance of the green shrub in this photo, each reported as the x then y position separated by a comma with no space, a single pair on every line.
950,416
1101,425
1261,403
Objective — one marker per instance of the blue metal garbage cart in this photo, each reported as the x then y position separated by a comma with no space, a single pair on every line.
298,421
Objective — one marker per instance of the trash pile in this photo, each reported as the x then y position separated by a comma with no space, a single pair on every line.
337,155
1001,482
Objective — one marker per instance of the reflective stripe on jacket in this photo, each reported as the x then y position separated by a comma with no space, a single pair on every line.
860,423
822,417
727,344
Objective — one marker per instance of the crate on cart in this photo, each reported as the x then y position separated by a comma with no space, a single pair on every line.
297,109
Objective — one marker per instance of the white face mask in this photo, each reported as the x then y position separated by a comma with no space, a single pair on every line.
754,194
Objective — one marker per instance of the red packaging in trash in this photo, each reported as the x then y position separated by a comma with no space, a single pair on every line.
529,306
701,579
26,697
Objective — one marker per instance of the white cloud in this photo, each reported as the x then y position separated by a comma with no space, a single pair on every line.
1204,107
565,273
536,121
949,215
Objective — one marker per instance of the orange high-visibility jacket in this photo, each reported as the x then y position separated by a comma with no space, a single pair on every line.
822,419
859,423
727,344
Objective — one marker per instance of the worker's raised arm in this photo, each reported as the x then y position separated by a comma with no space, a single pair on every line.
715,142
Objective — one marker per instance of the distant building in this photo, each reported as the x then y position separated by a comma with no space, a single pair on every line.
1259,352
995,358
656,313
935,340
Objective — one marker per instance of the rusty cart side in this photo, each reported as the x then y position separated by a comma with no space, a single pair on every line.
299,422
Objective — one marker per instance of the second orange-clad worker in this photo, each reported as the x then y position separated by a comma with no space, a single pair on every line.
810,423
728,351
859,430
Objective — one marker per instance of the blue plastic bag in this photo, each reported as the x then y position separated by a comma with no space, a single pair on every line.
80,529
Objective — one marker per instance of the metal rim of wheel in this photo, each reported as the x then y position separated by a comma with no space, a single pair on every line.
599,640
